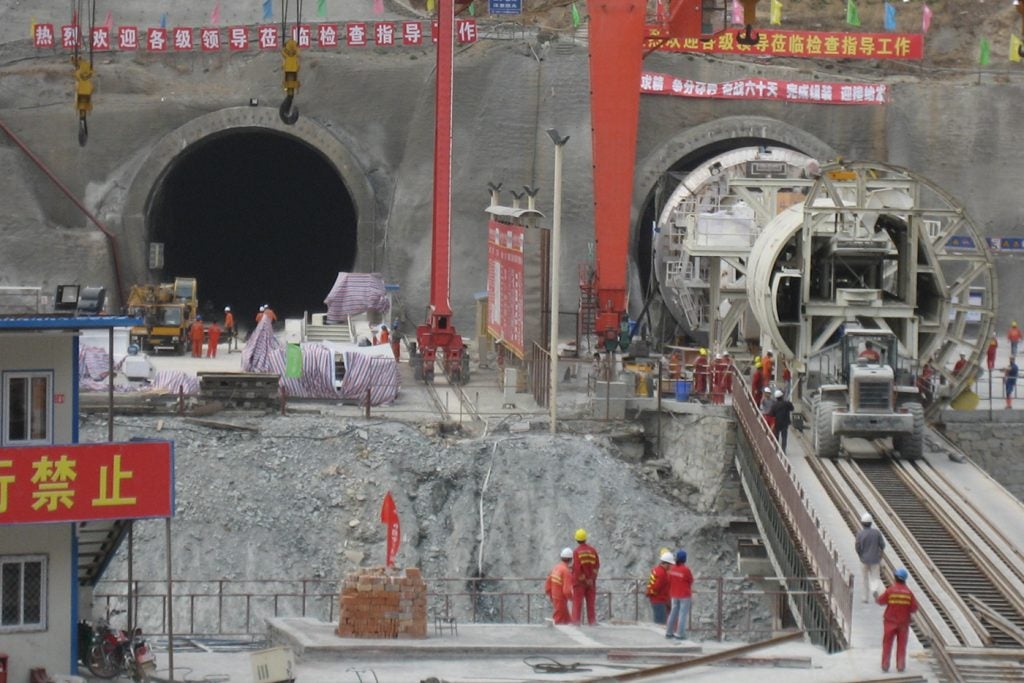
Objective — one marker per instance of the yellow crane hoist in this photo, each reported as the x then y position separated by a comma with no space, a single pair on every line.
288,112
83,68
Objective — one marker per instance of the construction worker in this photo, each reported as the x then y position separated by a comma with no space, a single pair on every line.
1010,381
768,367
214,339
558,587
675,365
680,582
727,377
1014,335
385,336
900,604
782,414
229,326
700,373
269,312
657,586
757,381
870,353
869,545
585,565
990,353
196,335
259,316
719,368
959,366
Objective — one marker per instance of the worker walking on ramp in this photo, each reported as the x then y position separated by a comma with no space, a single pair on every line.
558,587
900,605
585,565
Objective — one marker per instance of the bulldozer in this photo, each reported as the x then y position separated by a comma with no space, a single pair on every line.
167,310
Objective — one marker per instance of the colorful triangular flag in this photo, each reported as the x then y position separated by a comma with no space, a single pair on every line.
430,5
108,23
163,20
776,13
1015,47
984,52
926,18
321,8
32,28
472,9
575,16
890,17
378,7
268,9
215,15
660,13
852,15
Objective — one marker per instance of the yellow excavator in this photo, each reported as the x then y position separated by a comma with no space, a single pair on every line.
167,309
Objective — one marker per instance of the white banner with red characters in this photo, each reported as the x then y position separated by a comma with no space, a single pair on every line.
76,483
325,36
505,287
810,92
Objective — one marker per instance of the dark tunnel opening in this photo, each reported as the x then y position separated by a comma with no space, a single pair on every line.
258,218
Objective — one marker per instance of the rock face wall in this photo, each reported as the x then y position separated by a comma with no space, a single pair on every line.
993,444
371,112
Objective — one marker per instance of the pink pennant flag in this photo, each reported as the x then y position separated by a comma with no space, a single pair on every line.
108,23
926,18
215,15
737,12
378,7
661,15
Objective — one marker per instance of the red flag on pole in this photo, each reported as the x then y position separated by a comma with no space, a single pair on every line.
389,516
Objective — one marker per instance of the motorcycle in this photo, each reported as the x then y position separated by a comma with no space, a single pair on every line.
112,652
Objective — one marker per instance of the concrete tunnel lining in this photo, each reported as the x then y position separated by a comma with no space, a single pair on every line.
148,184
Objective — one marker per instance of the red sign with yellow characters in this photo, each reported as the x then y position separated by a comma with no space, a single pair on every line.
816,44
75,483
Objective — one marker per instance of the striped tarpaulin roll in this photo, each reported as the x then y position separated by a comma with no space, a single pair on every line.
355,293
317,379
370,368
261,347
170,381
93,363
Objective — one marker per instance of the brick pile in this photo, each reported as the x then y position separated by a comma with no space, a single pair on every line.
378,603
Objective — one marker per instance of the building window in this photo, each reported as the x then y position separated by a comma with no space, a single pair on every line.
22,593
28,409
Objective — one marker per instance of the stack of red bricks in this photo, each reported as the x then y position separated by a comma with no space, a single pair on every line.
381,603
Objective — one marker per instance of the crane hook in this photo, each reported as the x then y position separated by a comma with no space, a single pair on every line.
288,112
747,36
83,132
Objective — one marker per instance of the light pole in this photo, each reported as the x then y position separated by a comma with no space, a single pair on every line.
556,225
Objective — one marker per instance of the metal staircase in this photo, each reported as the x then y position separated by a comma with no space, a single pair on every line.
98,541
317,330
587,313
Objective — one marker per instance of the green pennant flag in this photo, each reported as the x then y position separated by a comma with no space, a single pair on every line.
321,8
472,9
985,53
293,362
575,16
852,15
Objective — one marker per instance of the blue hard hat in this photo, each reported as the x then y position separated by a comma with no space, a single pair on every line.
680,556
901,574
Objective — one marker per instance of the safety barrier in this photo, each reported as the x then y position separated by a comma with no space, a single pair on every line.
724,608
824,599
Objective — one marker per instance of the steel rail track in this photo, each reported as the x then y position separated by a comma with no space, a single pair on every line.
972,579
465,404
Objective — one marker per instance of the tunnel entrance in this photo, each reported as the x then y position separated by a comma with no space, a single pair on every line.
258,217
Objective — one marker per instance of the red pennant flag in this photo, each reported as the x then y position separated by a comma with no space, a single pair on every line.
661,14
108,23
378,7
389,516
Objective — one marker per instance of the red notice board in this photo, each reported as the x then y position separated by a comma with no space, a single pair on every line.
81,482
505,258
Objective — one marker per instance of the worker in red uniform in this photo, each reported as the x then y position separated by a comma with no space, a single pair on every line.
657,586
680,587
585,565
757,381
700,373
870,353
990,353
195,333
719,372
900,604
385,336
727,380
213,333
675,365
768,367
959,366
229,326
558,587
1014,335
269,313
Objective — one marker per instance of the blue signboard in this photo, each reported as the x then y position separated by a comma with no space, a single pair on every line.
505,6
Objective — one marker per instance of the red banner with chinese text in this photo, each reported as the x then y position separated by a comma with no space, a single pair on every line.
809,92
815,44
505,292
75,483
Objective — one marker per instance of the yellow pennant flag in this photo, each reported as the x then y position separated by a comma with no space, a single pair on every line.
32,29
1015,48
430,5
776,13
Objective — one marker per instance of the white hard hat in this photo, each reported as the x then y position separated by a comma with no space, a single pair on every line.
668,557
778,393
718,356
566,553
227,308
263,307
767,389
866,518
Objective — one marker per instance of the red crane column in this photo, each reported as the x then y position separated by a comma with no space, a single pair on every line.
616,60
438,333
